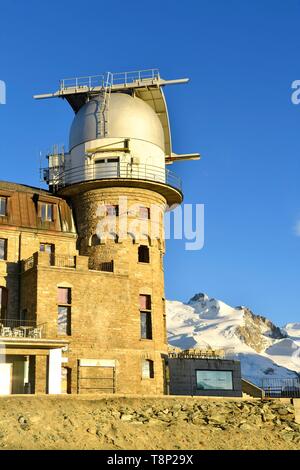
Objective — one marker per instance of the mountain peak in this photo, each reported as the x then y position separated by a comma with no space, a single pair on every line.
205,322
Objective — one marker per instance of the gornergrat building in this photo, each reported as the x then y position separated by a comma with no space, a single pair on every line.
82,280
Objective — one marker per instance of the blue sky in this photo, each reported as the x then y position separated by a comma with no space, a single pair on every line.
242,57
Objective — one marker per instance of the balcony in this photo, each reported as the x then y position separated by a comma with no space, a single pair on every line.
122,170
11,328
49,259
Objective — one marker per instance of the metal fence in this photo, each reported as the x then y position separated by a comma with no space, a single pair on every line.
62,261
109,79
280,388
12,328
93,172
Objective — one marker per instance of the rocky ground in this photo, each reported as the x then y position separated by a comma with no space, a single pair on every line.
145,423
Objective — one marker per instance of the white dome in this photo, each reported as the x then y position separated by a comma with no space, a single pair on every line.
127,116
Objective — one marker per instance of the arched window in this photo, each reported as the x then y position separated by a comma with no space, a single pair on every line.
143,254
113,236
147,369
131,236
3,302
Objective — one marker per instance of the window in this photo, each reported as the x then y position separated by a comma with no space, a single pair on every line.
112,210
214,379
144,256
147,369
145,302
146,325
144,213
3,302
64,300
3,248
47,248
3,206
46,212
145,316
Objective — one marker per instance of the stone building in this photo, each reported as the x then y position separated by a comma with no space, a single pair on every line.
81,264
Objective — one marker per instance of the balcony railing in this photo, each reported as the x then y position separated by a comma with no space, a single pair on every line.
62,261
112,171
11,328
109,79
107,266
59,261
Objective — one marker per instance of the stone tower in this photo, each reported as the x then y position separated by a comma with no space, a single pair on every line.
114,177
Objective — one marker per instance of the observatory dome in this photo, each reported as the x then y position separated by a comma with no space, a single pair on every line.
127,117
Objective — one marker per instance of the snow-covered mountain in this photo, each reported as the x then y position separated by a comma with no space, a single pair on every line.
264,349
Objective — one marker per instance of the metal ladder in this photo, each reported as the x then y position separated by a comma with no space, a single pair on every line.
102,112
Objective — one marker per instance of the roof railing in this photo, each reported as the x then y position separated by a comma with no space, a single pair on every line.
109,78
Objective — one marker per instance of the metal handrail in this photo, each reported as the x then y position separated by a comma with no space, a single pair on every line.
122,170
109,78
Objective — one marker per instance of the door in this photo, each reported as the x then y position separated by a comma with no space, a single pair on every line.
106,168
5,379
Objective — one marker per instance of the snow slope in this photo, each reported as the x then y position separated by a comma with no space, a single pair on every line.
265,351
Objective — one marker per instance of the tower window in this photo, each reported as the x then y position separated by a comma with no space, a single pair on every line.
144,212
3,206
146,325
3,248
46,212
112,210
147,369
143,254
145,302
64,300
47,248
145,316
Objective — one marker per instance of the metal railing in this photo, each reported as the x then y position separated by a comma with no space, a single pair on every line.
12,328
122,170
107,266
109,79
197,354
62,261
279,388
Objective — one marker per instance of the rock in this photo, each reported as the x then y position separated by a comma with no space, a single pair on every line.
290,409
216,418
287,436
24,424
166,411
246,427
282,411
152,421
295,426
116,414
268,416
199,421
126,417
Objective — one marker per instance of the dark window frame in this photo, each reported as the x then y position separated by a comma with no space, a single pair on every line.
144,254
4,249
150,362
68,307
